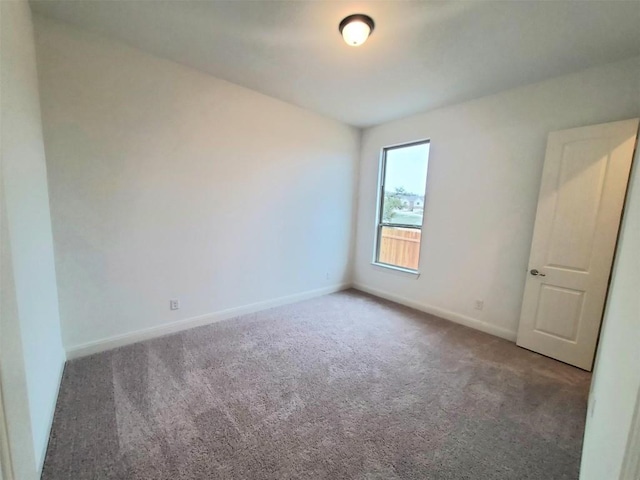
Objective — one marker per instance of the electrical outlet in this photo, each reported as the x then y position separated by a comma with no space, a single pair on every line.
479,304
174,304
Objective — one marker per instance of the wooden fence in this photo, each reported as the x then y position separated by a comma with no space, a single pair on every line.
400,247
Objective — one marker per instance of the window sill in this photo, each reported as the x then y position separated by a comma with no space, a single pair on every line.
399,270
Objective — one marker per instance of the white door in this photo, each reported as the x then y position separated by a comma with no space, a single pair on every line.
584,182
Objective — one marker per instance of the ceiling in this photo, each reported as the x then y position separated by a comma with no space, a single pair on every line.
421,55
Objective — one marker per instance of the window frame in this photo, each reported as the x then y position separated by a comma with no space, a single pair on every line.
380,223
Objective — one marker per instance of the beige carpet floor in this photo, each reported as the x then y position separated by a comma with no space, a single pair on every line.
345,386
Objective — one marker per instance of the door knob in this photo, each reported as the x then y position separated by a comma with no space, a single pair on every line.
537,273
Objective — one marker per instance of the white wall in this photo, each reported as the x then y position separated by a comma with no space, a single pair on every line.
30,298
168,183
616,381
484,173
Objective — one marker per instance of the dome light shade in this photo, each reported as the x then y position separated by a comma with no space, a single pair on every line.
355,29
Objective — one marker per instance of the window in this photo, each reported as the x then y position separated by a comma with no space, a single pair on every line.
403,183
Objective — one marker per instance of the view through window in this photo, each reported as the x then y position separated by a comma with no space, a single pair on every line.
401,209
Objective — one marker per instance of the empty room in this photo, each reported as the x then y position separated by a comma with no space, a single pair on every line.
299,239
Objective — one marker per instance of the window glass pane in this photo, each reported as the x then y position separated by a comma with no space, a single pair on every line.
404,184
402,205
400,247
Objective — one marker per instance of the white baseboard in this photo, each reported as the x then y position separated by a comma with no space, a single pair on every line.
51,415
442,313
109,343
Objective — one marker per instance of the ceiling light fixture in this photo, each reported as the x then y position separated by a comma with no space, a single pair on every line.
355,29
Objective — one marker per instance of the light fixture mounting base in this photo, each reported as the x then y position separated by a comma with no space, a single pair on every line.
357,17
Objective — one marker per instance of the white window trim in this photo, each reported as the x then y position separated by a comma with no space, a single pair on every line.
399,270
380,196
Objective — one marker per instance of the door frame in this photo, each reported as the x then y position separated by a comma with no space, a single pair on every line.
631,462
630,469
6,468
623,213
